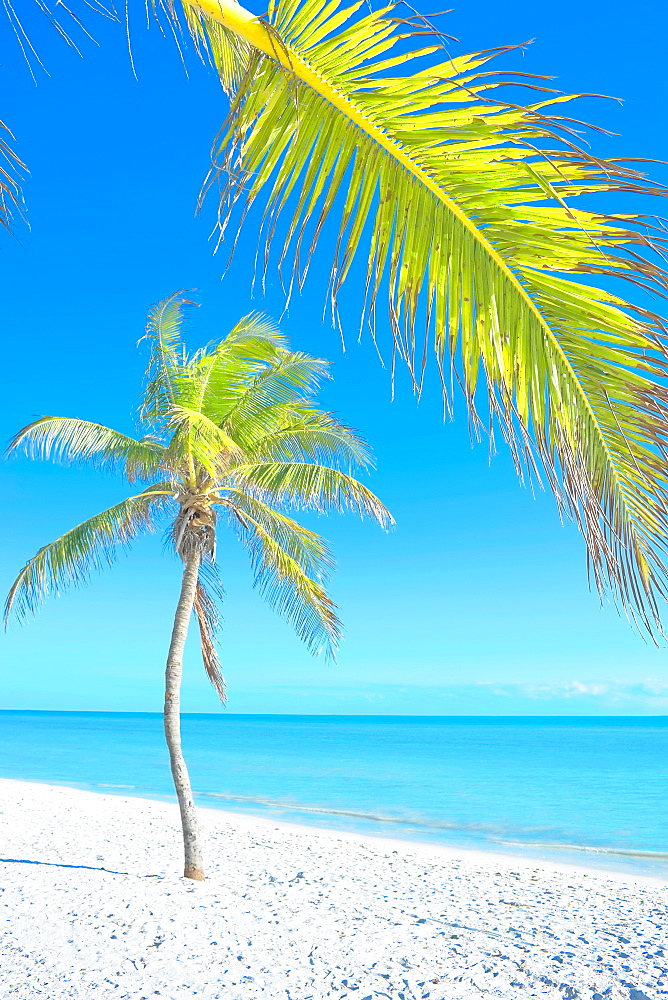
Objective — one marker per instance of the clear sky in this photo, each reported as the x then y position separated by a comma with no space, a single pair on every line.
478,602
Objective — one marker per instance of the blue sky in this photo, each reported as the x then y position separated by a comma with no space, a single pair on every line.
477,603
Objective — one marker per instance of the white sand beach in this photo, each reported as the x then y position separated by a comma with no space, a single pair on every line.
92,906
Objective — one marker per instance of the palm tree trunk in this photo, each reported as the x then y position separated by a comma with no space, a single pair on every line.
172,719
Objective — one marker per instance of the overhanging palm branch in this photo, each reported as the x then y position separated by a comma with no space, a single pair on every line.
11,169
61,16
461,206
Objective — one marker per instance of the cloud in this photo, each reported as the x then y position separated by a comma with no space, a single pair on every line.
584,697
614,690
578,687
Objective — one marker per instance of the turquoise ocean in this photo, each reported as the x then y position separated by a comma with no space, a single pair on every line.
590,791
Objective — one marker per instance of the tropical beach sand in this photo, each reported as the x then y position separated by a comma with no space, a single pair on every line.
92,906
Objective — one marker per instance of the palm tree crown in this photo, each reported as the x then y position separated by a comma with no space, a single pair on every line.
233,429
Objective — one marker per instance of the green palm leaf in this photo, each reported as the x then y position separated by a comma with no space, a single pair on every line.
306,547
203,441
258,334
217,377
461,206
282,553
291,375
92,544
315,436
310,486
71,441
167,360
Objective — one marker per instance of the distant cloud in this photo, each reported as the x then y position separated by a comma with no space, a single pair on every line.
577,687
615,690
621,696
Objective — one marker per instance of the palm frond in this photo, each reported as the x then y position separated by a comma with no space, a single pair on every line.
61,16
461,205
282,579
259,334
11,171
313,436
256,336
91,545
308,486
70,441
207,601
205,443
230,53
306,547
216,377
167,360
284,383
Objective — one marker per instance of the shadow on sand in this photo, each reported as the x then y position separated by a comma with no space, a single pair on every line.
55,864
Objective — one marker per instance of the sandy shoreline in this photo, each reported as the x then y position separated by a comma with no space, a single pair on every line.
92,906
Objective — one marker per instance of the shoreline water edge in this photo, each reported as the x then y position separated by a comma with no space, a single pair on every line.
94,906
628,864
575,791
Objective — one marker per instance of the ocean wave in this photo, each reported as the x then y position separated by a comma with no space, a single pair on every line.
584,849
412,821
487,832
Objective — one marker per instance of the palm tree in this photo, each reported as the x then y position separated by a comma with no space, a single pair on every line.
232,430
463,209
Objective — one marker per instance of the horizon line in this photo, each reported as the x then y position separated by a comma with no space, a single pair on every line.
321,715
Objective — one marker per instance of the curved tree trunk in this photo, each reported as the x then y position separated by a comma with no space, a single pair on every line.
172,718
